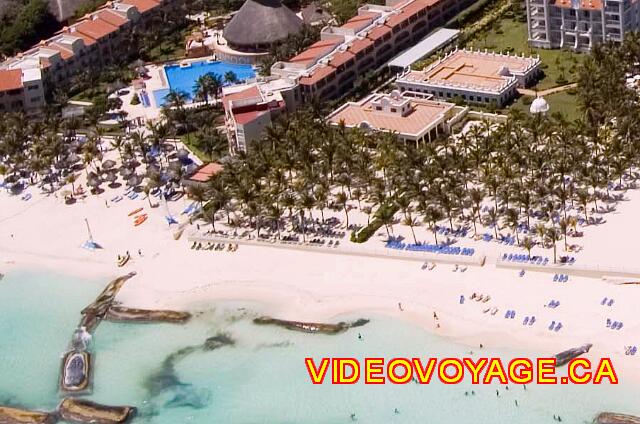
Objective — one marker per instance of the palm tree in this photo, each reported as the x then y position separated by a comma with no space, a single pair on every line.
492,220
512,221
431,217
528,244
411,222
553,235
230,77
385,214
341,199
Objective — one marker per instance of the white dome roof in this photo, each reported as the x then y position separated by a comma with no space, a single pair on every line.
539,105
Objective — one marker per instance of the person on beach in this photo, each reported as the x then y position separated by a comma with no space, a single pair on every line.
400,306
435,316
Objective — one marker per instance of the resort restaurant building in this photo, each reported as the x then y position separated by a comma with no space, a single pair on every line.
411,119
328,68
21,90
249,109
100,38
473,77
580,24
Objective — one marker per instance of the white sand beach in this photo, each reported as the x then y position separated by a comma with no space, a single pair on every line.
308,286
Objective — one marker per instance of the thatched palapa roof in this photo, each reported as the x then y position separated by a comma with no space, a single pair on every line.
260,22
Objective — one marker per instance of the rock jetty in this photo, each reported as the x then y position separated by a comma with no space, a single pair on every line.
311,327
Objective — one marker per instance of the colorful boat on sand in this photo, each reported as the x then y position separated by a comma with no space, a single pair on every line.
140,219
135,211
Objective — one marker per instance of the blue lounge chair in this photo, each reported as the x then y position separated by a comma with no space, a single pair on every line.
634,349
555,278
614,325
610,302
507,314
526,321
532,320
608,322
513,314
553,324
619,326
603,301
461,299
558,327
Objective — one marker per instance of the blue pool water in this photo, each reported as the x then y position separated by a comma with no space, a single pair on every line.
183,79
166,372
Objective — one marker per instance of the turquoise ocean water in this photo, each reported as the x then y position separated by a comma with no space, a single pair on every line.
171,376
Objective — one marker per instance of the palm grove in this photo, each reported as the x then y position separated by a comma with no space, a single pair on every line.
540,172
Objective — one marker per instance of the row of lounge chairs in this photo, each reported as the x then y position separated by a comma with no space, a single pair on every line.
431,248
510,314
231,247
529,321
560,278
26,197
555,327
607,302
630,350
116,199
615,325
524,258
553,304
460,232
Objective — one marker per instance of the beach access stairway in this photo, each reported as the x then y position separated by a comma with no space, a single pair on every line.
345,248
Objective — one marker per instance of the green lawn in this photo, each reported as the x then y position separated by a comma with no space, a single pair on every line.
507,34
559,102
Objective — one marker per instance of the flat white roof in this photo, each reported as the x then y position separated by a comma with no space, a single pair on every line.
429,44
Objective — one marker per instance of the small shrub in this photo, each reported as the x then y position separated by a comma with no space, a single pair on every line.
135,100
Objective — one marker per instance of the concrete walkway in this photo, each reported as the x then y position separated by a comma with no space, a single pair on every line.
528,92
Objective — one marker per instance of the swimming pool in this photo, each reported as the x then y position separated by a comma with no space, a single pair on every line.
183,78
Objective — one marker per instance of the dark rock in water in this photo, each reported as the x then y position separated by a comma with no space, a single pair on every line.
565,357
84,411
613,418
165,377
23,416
187,397
311,327
276,345
218,341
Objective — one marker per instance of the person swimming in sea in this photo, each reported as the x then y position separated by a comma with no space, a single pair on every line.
359,336
353,417
395,411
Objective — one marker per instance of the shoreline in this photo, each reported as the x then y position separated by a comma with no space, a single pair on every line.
312,286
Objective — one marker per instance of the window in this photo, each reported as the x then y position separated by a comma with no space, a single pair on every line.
393,110
35,99
32,87
378,108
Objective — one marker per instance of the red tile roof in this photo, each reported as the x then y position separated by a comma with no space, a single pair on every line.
206,171
249,93
318,75
341,58
378,32
65,53
95,28
142,5
360,21
316,51
246,117
10,79
112,17
584,4
359,45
